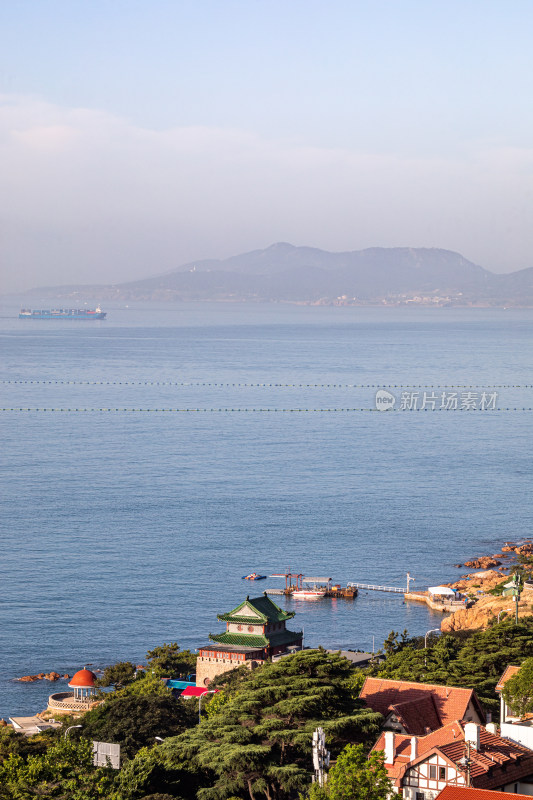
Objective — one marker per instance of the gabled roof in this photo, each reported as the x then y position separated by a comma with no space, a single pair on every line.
509,672
259,609
467,793
418,716
425,744
498,761
449,703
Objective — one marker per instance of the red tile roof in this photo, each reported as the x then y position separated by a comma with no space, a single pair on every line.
498,761
446,703
402,746
508,673
467,793
419,716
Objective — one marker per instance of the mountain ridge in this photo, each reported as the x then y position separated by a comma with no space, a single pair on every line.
287,273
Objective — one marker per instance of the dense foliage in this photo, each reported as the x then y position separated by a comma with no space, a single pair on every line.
64,771
259,745
254,740
170,661
120,674
518,691
135,721
474,660
354,776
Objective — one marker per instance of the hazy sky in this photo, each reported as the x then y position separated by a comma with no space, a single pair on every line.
137,135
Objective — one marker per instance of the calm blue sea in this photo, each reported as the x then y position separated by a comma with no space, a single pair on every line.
122,529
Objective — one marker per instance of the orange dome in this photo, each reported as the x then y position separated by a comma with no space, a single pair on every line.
84,678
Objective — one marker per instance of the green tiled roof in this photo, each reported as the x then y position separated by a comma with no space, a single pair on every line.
251,640
240,639
266,609
285,637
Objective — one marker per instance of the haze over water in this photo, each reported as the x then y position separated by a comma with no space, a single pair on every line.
123,529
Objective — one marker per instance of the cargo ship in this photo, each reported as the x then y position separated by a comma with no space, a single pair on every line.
63,313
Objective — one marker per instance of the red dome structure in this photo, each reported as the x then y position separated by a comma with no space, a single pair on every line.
83,684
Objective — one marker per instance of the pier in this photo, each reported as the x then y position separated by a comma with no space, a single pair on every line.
295,581
374,588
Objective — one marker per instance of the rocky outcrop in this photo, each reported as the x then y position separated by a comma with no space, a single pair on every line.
485,562
482,613
42,676
483,581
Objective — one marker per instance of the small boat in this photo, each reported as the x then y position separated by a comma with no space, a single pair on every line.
309,594
253,577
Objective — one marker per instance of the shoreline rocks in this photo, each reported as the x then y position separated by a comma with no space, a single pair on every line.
42,676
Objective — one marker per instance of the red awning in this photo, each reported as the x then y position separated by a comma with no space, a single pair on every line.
194,691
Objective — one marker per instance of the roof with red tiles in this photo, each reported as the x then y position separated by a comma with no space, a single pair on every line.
498,761
419,716
449,703
467,793
508,673
424,744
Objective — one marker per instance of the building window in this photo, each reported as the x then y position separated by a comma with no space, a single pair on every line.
432,772
239,627
442,773
250,628
420,796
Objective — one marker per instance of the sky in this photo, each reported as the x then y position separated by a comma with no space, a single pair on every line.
139,135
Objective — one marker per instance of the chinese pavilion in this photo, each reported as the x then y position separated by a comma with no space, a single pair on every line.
255,631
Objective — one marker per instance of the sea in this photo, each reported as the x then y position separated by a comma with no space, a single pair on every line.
151,460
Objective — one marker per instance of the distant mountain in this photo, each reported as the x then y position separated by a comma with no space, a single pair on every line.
284,273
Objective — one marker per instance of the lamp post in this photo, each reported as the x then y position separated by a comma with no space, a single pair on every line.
72,728
503,611
433,630
159,739
209,691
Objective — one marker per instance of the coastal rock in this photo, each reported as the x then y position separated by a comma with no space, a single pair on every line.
458,566
483,581
28,678
52,676
485,562
508,548
525,549
482,613
66,677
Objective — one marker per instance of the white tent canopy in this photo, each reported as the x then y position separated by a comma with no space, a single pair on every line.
442,590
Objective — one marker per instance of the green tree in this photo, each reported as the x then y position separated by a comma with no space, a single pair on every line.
168,660
518,691
135,721
356,777
64,771
259,745
471,659
119,675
